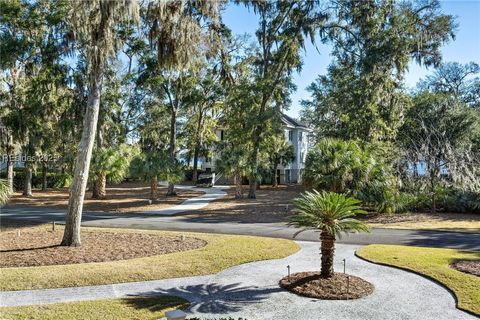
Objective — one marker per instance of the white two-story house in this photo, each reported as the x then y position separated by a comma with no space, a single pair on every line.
296,133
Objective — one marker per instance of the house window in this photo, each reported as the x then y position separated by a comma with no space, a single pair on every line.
221,135
302,157
300,136
290,135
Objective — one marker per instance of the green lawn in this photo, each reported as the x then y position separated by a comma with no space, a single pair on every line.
112,309
434,263
221,252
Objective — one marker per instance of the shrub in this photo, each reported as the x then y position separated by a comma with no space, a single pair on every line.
344,167
4,191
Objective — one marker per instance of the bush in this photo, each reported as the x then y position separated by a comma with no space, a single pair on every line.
4,191
447,200
54,180
61,180
344,167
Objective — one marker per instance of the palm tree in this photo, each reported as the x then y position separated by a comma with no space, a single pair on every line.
154,165
233,161
331,213
5,191
280,152
93,24
108,164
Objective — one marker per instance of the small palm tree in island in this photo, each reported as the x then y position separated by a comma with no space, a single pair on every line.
331,214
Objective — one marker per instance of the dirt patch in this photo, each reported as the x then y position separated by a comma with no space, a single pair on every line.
123,198
274,205
467,266
31,247
271,205
420,217
340,287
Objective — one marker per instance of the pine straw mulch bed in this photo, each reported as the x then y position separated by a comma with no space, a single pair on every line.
467,266
123,198
309,284
419,217
41,248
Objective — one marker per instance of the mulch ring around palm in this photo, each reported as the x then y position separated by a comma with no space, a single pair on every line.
340,287
27,248
467,266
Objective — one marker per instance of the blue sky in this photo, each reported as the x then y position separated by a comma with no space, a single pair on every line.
465,48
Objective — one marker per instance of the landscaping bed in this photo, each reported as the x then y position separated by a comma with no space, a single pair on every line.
219,253
445,221
467,266
275,205
271,205
339,287
122,198
32,247
433,263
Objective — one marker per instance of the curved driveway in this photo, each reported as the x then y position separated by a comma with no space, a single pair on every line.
167,219
251,291
427,238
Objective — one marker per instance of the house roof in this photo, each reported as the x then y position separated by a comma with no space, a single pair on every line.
293,122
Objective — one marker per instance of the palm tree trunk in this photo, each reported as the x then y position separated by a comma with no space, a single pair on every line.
27,184
153,188
71,235
328,252
99,187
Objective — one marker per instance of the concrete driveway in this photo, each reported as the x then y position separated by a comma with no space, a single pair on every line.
251,291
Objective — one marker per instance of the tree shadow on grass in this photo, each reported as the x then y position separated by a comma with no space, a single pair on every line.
155,303
215,298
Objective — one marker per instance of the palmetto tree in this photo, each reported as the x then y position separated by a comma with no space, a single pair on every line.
5,191
330,213
108,164
154,165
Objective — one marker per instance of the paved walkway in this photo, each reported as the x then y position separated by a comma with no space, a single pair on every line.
192,204
251,290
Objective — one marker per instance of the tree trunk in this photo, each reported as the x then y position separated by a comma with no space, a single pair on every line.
10,160
27,184
173,147
328,252
44,177
252,192
275,182
153,188
99,187
71,235
195,164
197,145
433,191
238,185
